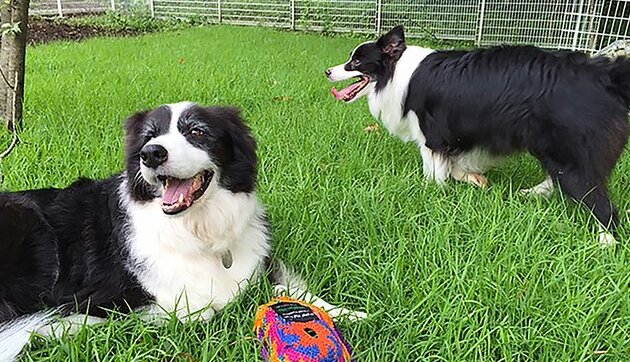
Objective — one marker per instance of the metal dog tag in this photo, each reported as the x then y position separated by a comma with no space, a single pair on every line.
226,259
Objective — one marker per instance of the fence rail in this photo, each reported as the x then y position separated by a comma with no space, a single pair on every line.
586,25
70,7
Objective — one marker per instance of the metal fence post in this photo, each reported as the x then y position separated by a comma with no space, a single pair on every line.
379,16
292,14
59,8
590,10
482,13
578,22
219,13
152,8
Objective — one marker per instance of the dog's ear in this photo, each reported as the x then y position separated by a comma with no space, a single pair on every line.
239,162
133,124
392,44
134,140
133,135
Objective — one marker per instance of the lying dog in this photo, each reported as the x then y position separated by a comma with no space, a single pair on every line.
466,109
179,231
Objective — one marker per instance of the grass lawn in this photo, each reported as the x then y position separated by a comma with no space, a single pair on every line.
447,274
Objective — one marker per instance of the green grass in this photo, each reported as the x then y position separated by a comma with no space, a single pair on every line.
447,274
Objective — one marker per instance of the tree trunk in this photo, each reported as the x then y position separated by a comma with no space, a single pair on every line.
12,56
5,17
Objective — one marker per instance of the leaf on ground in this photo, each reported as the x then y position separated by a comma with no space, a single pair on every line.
282,99
374,127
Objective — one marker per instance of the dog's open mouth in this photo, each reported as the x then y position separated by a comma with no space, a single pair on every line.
179,194
348,93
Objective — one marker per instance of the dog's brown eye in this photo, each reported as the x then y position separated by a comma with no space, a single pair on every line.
355,63
196,132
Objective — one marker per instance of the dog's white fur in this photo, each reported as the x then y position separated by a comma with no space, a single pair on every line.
179,259
544,189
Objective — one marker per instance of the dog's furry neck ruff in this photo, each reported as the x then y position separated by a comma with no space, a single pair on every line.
216,221
387,102
224,234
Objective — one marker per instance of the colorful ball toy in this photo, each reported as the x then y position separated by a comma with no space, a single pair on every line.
291,330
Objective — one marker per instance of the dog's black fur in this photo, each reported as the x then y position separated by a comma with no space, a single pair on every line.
64,247
567,110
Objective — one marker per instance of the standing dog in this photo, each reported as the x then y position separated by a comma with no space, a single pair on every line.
466,109
179,231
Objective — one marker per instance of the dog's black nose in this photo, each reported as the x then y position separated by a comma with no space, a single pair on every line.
327,72
153,155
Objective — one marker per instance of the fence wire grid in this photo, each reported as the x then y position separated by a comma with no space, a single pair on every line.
586,25
70,7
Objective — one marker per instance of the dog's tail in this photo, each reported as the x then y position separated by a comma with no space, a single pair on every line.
15,334
620,77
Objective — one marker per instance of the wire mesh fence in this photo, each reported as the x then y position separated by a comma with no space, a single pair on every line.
70,7
586,25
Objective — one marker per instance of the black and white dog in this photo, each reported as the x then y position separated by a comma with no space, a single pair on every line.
465,109
180,231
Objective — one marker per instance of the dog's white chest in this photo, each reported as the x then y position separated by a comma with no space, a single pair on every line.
186,267
189,279
389,111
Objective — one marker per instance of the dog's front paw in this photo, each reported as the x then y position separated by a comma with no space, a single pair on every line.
477,179
473,178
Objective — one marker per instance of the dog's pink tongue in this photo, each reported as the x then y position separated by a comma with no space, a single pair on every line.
176,188
342,93
336,93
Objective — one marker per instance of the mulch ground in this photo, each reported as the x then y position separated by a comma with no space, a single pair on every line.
41,30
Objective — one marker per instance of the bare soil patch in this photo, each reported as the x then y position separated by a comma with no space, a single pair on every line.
43,30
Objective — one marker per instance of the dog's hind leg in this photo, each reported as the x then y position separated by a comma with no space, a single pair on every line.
544,189
594,196
16,334
28,256
68,325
